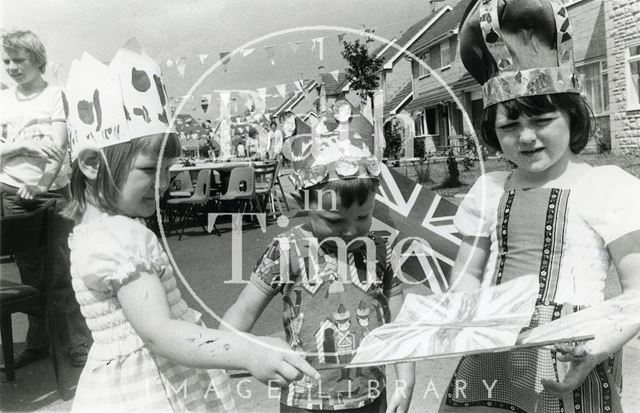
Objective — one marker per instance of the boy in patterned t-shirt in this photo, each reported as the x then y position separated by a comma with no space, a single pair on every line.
334,275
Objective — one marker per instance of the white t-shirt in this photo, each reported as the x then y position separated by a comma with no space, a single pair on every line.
603,206
24,120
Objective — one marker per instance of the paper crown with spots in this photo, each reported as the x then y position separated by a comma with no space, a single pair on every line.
339,146
517,48
115,103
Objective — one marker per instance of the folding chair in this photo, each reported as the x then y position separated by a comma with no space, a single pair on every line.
188,206
265,181
22,233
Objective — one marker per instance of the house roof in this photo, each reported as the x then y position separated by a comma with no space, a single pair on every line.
295,98
331,86
447,23
401,98
390,53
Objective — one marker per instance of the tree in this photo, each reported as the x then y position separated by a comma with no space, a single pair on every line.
362,70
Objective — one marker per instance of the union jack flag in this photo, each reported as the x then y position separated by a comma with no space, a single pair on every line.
419,219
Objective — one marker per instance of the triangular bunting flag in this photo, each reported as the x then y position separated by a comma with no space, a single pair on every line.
203,57
181,65
294,45
318,41
262,92
341,38
205,102
246,52
335,74
282,90
271,53
225,60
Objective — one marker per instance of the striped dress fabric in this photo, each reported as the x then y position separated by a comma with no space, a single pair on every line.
121,373
543,231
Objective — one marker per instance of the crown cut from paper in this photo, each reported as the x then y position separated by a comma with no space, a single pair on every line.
517,48
108,105
340,146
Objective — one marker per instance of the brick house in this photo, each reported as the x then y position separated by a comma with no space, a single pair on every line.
446,102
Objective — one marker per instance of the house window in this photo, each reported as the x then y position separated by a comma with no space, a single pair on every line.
418,120
435,57
633,77
432,121
453,47
596,84
424,60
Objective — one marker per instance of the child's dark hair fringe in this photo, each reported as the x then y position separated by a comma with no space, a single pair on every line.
349,190
580,114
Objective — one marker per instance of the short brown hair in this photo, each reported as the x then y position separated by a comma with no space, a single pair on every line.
580,116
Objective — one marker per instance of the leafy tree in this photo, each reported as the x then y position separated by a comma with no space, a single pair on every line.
362,70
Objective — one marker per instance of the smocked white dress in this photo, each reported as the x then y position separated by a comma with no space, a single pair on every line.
121,373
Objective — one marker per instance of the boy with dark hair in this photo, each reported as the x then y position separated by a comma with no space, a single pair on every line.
332,273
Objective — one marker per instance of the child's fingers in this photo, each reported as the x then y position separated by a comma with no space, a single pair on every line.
301,365
555,388
278,380
570,352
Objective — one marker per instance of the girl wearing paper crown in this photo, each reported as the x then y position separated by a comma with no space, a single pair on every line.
553,215
330,269
151,352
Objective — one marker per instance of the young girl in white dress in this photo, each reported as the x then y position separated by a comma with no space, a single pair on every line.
151,352
553,215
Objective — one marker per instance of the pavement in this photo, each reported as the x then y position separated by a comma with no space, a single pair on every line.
204,260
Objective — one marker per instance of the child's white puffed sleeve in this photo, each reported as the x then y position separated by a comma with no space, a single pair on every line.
609,201
105,257
477,212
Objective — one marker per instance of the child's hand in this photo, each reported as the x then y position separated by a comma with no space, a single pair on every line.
278,367
581,362
44,149
400,400
29,192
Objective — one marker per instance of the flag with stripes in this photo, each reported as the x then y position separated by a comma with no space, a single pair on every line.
419,224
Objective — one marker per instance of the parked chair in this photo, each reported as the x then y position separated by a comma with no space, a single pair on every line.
265,180
242,188
181,185
21,233
187,208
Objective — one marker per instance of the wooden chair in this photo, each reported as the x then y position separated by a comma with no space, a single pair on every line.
21,233
187,207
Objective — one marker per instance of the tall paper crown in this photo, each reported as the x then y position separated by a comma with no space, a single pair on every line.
517,48
108,105
340,146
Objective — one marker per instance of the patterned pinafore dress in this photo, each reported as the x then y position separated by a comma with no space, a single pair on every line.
530,232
